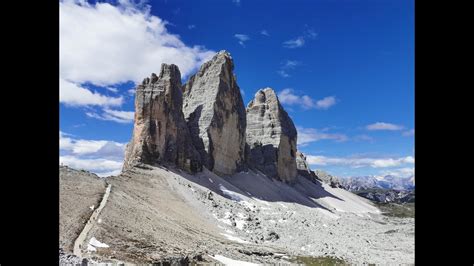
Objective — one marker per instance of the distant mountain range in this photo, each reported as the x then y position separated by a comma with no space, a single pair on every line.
383,182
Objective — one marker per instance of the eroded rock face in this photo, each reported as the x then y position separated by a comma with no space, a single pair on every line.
215,113
271,137
302,166
160,133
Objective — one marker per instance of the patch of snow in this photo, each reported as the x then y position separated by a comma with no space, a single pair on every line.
210,180
230,262
99,221
96,243
231,194
91,207
283,205
240,224
91,248
233,238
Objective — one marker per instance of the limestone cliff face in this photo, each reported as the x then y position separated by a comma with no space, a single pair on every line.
215,114
160,133
271,137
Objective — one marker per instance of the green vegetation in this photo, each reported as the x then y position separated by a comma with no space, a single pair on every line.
316,261
405,210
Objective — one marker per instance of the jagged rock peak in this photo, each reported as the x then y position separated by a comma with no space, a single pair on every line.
215,113
160,133
271,137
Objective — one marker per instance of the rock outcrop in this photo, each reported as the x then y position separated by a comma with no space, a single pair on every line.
302,167
328,179
271,137
215,114
160,132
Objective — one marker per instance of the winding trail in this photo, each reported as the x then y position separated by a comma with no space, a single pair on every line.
78,244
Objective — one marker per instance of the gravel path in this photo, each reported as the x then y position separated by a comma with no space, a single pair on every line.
79,243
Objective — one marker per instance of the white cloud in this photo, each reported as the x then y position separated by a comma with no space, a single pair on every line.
294,43
192,26
400,172
356,162
99,44
236,2
102,167
286,66
102,148
287,96
242,38
112,89
409,133
308,135
265,32
283,73
113,115
383,126
131,92
326,102
301,40
74,95
102,157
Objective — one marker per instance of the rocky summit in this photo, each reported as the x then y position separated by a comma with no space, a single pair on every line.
215,113
271,137
160,133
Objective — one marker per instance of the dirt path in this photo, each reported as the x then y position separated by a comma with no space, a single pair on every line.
78,244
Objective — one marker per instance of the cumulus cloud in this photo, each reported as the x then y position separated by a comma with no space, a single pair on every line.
308,135
99,44
383,126
113,115
101,167
102,157
356,162
242,38
102,148
72,94
288,96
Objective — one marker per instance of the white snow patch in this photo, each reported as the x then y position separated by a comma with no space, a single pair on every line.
96,243
99,221
91,248
210,180
240,224
231,194
283,205
224,220
230,262
91,207
233,238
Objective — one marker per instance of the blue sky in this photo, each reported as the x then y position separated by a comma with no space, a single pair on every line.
344,71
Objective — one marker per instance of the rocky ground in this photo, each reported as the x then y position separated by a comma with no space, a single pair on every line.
164,215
